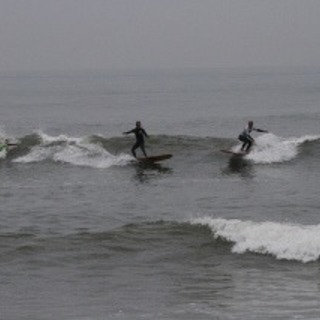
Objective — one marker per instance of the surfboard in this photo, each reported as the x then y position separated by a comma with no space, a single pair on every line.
234,153
154,159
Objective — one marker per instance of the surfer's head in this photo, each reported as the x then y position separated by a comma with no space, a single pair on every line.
250,124
138,124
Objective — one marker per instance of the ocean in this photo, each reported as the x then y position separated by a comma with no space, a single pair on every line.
88,233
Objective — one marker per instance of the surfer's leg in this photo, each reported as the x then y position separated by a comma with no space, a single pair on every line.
143,149
133,149
249,142
244,140
249,145
245,145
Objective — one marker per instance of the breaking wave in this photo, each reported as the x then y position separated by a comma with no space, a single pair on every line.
283,241
269,148
75,151
98,151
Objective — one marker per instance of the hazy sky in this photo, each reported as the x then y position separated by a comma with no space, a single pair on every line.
82,34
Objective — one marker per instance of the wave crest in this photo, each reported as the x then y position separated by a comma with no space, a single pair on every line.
76,151
270,148
102,152
284,241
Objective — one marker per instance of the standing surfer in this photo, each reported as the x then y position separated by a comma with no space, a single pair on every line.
246,138
140,133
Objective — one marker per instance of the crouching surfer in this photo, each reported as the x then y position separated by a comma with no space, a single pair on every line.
246,138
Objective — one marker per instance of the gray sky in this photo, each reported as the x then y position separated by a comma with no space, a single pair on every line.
82,34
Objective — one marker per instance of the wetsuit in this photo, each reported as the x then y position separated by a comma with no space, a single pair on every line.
246,138
140,133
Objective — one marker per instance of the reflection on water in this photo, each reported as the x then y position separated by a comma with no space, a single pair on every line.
241,166
147,171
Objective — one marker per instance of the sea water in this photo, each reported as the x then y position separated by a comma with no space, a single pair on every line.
88,233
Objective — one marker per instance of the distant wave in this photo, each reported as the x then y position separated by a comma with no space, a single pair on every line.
284,241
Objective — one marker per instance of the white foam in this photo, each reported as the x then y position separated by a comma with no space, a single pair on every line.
36,154
61,138
270,148
284,241
75,151
3,154
90,155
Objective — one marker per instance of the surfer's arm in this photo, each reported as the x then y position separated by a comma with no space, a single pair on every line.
145,133
250,138
260,130
128,132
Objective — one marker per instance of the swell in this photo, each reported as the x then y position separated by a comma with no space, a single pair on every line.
131,239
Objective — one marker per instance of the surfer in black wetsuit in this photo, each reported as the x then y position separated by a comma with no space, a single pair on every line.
140,133
246,138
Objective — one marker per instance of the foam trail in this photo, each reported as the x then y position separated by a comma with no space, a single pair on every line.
284,241
270,148
90,155
36,154
75,151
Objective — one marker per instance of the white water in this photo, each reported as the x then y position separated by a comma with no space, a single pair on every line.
76,151
284,241
269,148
